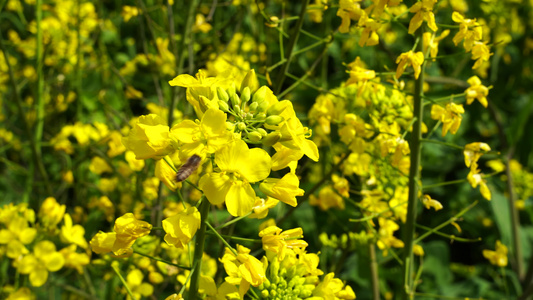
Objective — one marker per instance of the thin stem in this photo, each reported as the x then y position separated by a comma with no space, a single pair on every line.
199,249
414,178
374,271
117,271
232,221
452,219
161,260
221,238
442,143
290,48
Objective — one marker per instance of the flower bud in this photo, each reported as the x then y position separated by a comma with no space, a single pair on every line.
241,126
222,95
277,108
271,138
223,106
262,132
235,101
274,120
250,81
253,106
254,136
245,94
263,106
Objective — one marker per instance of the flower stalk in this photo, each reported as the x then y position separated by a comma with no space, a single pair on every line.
414,179
199,249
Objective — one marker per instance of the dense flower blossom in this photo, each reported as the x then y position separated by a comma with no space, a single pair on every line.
43,260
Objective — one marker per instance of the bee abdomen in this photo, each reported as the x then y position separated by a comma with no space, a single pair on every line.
188,167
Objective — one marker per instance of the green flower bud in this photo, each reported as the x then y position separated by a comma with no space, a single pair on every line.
274,120
253,106
254,136
245,94
262,132
271,138
263,106
241,126
223,106
231,90
260,116
235,101
277,108
265,294
250,81
237,109
222,95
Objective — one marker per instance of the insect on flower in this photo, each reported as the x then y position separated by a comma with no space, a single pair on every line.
188,167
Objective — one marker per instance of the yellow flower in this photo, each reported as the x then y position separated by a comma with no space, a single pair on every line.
149,138
469,31
481,52
181,227
475,179
128,12
44,259
348,10
138,288
429,203
73,234
17,234
243,269
474,151
205,137
201,24
285,189
262,206
432,42
498,257
423,11
386,235
359,75
450,116
166,173
134,163
369,36
115,144
410,58
239,166
327,198
127,230
73,259
51,212
276,241
332,288
99,165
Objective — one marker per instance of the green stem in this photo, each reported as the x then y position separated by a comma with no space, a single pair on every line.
199,249
290,48
443,144
452,219
161,260
515,218
35,154
414,178
374,271
117,271
233,221
448,236
221,238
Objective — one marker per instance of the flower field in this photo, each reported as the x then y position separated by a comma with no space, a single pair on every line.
253,149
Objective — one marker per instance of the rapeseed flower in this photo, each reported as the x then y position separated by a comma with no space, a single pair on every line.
149,138
423,11
243,269
43,260
51,212
410,59
284,189
181,227
239,166
497,257
451,116
278,241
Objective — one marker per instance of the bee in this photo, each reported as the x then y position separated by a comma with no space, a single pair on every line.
188,167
